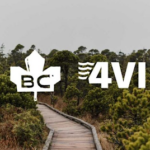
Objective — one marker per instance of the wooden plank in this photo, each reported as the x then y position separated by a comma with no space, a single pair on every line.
68,134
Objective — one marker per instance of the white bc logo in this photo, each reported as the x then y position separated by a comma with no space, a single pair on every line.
35,79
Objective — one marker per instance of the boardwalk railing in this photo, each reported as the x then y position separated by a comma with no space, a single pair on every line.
87,125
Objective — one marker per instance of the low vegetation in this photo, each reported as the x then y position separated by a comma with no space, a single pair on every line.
21,125
20,128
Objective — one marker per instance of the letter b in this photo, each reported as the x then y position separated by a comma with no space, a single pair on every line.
27,81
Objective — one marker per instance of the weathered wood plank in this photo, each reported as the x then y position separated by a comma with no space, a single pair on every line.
68,134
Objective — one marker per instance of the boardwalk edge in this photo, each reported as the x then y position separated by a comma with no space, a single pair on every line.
87,125
49,138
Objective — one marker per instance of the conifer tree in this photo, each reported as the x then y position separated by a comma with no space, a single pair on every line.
127,115
140,140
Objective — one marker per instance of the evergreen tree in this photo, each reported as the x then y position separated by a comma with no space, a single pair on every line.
127,115
140,140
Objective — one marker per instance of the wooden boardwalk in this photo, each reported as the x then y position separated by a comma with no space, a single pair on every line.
68,134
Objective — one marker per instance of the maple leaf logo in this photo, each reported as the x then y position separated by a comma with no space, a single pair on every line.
34,79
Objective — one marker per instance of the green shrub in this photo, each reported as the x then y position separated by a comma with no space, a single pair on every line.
140,140
9,94
127,115
72,93
19,127
72,108
28,129
95,102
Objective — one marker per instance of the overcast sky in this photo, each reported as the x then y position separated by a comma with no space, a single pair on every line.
67,24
